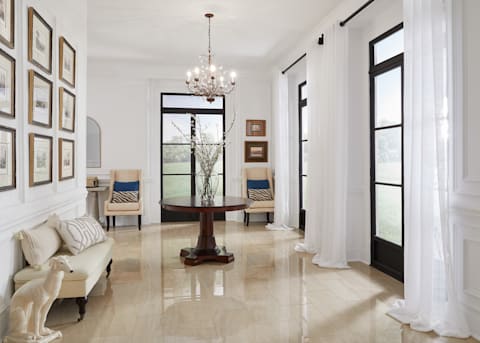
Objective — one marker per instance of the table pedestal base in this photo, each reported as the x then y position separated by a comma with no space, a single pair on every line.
194,256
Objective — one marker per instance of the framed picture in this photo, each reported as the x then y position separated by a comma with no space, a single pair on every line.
256,128
39,41
40,159
39,100
67,110
67,62
7,159
7,84
256,151
7,23
66,159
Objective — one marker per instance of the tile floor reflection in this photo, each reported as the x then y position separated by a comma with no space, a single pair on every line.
269,293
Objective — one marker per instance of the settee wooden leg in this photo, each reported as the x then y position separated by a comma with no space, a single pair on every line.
108,222
139,223
248,218
113,218
268,217
109,267
82,303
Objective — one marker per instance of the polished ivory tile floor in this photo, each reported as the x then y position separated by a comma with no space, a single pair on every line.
269,293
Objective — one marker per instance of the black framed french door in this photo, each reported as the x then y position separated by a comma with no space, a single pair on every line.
303,150
387,155
180,114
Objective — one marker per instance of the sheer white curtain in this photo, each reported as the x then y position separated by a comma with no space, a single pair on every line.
282,147
431,301
325,227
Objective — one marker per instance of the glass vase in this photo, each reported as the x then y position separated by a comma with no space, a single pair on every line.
207,186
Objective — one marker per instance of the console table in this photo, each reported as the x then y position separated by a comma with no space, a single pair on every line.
206,249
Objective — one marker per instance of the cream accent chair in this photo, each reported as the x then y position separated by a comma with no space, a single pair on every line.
257,206
127,208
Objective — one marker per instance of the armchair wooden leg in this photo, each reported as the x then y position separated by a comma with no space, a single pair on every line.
113,221
82,303
108,222
268,217
244,217
248,218
140,223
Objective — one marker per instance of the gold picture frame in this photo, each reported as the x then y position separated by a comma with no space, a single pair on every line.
256,128
40,94
256,151
7,23
40,158
8,159
67,62
66,110
7,85
66,159
40,35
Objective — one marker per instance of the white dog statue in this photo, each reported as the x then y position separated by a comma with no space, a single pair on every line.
30,305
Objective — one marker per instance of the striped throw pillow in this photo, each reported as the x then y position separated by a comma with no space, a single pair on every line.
260,194
81,233
119,197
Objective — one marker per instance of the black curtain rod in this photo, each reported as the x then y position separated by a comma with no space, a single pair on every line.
365,5
320,42
296,61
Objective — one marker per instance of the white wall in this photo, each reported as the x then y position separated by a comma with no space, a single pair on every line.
466,173
124,97
26,207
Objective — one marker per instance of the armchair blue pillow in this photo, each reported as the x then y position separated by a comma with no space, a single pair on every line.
258,184
132,186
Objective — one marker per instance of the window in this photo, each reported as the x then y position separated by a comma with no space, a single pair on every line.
303,155
178,166
386,140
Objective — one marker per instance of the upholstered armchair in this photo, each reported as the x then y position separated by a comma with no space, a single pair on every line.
122,200
253,179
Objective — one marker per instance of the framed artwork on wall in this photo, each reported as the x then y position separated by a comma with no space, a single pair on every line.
7,84
7,159
40,159
66,159
68,62
256,128
39,100
39,41
7,23
66,110
256,151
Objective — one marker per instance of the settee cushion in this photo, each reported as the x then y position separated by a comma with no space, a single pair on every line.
39,244
80,233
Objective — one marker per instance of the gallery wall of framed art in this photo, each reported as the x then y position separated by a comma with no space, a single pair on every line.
256,151
38,107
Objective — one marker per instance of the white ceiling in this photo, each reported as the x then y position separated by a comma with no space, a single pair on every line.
174,32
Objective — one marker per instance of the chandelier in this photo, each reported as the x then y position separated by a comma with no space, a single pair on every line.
209,80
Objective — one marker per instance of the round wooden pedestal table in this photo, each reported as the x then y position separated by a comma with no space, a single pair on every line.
206,249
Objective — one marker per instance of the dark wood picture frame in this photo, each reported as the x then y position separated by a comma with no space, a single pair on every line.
62,44
13,185
12,85
32,181
32,13
31,97
256,128
61,142
10,41
61,92
256,156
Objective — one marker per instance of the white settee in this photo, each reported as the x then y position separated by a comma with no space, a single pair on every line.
88,266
